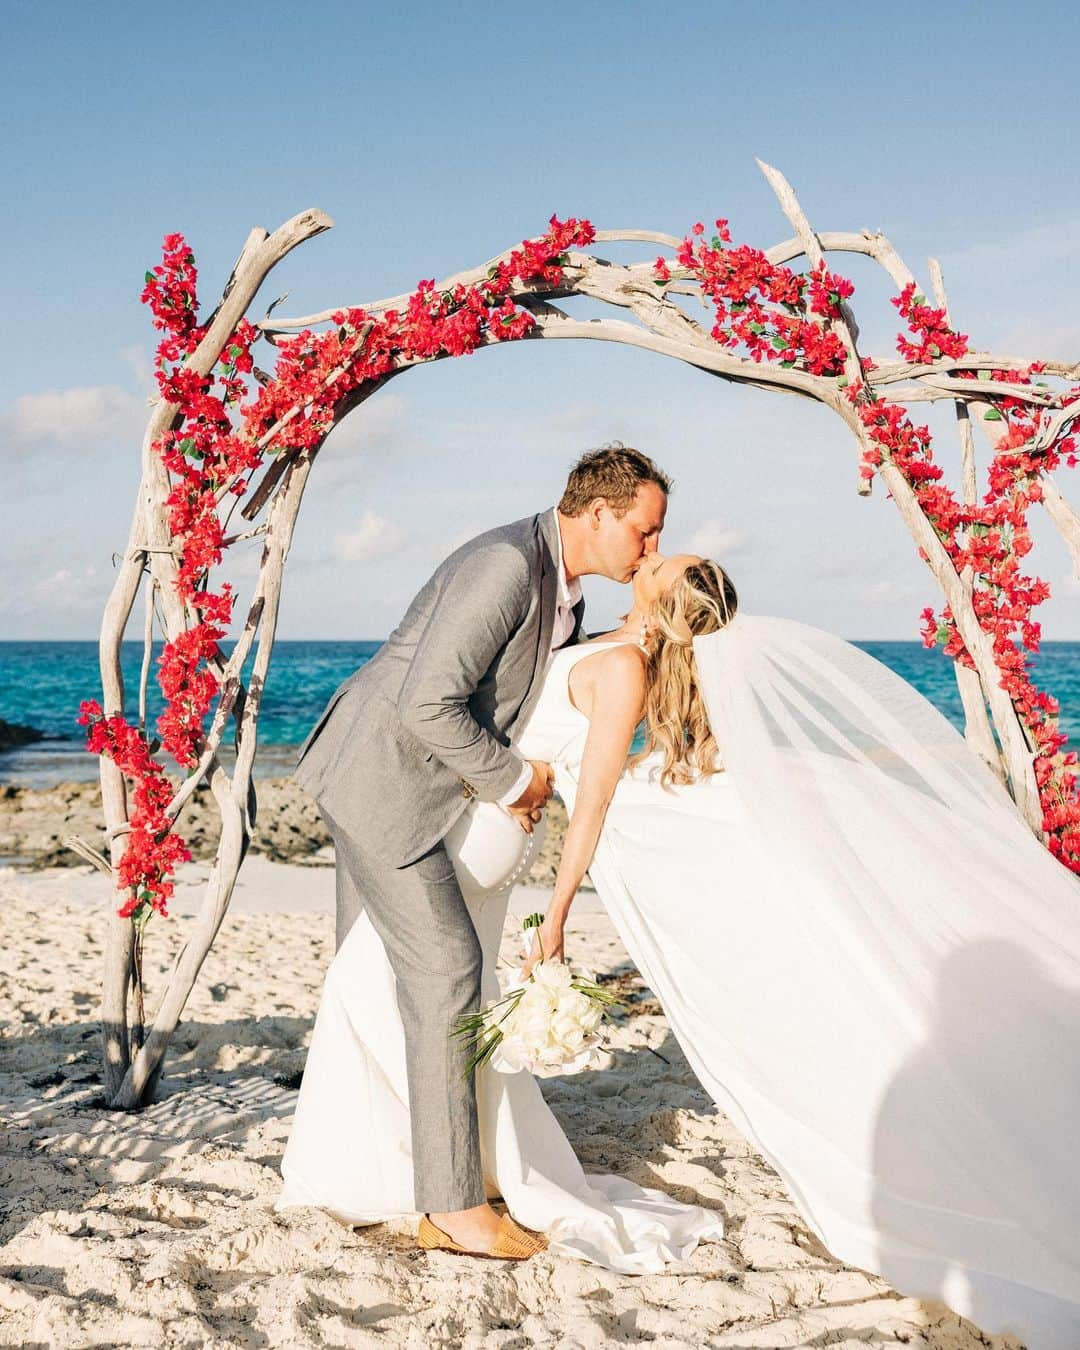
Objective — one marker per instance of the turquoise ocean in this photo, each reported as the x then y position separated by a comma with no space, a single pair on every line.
42,684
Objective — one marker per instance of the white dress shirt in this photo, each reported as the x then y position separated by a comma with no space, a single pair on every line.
567,596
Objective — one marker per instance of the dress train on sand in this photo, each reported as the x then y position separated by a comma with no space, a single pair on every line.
350,1147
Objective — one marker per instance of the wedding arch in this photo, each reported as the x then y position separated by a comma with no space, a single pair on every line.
219,422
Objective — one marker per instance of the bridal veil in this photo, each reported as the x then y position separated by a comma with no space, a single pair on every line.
946,945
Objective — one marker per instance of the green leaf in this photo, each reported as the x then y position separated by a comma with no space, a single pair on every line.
935,350
992,415
841,382
786,365
757,328
235,351
150,277
986,374
779,343
659,281
918,299
737,306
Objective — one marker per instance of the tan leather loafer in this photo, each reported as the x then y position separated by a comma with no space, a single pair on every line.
512,1243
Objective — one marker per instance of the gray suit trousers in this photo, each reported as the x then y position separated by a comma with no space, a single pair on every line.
433,949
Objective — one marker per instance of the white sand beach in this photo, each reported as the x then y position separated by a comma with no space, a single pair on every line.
158,1228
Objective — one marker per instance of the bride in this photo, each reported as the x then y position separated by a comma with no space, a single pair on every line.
871,964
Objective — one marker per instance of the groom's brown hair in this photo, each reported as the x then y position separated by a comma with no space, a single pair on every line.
614,472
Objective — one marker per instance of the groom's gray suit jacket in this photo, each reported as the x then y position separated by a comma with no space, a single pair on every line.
426,724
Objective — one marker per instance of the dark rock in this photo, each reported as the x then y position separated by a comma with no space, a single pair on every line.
11,735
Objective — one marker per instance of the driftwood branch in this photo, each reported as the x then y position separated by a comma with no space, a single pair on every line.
977,728
631,287
1064,517
119,936
1015,749
150,542
148,650
1011,734
262,493
231,539
89,853
234,803
811,247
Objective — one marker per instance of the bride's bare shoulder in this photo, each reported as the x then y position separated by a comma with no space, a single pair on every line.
620,666
609,680
626,659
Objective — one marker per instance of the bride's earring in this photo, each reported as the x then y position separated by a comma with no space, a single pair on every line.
643,636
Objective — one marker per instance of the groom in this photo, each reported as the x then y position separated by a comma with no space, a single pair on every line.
426,725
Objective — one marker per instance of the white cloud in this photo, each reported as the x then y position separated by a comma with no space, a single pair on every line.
380,424
1039,244
74,418
141,364
1025,266
66,592
1042,338
889,588
713,540
374,534
401,434
574,429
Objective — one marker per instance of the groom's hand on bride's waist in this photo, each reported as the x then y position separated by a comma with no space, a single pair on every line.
529,807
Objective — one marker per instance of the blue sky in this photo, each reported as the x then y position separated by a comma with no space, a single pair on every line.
436,135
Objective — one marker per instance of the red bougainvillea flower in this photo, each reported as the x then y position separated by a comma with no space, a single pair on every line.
936,338
826,290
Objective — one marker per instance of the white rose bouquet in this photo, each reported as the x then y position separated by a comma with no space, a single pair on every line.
547,1024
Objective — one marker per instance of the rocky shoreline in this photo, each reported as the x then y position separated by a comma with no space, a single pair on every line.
12,735
35,821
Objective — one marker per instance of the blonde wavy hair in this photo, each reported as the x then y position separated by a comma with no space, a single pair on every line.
702,601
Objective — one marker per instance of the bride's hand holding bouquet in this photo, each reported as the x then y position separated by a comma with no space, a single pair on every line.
543,942
547,1022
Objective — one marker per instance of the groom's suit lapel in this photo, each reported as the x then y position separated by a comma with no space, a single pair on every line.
549,595
579,618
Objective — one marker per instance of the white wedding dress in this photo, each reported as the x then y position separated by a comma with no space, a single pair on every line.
350,1152
867,958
